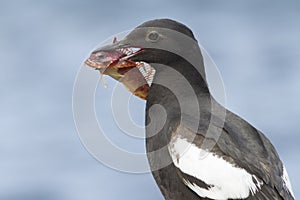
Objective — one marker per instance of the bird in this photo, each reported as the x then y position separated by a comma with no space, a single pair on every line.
196,148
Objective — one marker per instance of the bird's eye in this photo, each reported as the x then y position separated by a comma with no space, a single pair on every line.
153,36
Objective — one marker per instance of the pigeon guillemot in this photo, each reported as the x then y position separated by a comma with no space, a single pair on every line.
205,156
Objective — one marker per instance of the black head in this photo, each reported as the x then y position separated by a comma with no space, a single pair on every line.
160,41
169,24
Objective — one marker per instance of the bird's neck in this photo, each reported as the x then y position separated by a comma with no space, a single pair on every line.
179,90
179,83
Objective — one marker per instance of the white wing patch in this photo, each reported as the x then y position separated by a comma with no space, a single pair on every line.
226,180
286,181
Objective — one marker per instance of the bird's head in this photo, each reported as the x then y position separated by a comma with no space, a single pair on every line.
132,60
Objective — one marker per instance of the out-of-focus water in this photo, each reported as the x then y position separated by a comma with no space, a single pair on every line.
255,44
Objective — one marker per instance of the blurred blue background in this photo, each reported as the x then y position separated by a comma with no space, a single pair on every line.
255,44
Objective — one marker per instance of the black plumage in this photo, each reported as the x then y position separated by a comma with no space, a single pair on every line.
239,143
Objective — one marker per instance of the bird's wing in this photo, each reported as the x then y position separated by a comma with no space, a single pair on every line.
241,163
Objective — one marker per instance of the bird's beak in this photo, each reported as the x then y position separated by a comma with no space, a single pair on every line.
114,60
